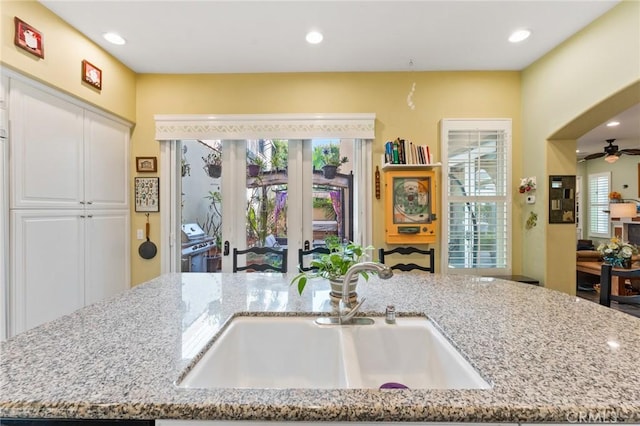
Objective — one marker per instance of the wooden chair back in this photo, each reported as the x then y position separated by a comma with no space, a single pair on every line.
403,251
606,273
277,253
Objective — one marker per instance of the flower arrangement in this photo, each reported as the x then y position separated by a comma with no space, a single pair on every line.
615,196
335,264
617,252
527,184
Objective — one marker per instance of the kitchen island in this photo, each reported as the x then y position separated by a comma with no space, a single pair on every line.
549,357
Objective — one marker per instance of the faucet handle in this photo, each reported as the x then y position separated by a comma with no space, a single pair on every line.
346,318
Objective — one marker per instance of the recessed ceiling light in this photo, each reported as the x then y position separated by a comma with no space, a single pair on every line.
314,37
613,123
519,35
577,151
114,38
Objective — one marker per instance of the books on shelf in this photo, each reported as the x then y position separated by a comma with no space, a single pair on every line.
403,152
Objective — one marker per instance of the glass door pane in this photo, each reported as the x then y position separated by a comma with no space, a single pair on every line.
332,190
201,205
267,191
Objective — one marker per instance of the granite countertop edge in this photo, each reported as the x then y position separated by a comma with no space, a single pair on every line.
509,400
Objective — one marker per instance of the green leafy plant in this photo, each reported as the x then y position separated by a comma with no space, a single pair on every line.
213,222
335,264
328,155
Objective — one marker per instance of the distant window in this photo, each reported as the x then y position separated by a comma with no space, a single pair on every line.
476,207
599,187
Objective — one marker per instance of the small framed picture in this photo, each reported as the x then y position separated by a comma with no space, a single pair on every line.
147,194
28,38
91,74
146,164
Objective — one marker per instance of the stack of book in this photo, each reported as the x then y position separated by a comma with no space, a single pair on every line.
401,152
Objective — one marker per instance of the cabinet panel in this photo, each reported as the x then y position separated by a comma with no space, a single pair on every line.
46,146
410,206
106,162
47,266
107,254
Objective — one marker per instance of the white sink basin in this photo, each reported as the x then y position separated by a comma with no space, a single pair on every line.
294,352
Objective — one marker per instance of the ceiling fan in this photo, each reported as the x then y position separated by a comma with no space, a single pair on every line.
612,153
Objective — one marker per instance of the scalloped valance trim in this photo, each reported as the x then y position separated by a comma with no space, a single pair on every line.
265,126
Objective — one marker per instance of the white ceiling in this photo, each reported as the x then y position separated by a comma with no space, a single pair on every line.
213,36
627,134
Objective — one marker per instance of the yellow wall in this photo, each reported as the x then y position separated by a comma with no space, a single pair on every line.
556,91
438,95
64,50
559,89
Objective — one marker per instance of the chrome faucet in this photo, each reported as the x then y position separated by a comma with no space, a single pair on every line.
383,271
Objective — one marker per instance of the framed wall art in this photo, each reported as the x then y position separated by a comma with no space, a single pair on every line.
562,199
91,74
410,207
28,38
147,194
146,164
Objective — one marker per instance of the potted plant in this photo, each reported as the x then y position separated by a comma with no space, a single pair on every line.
255,165
334,265
331,161
213,163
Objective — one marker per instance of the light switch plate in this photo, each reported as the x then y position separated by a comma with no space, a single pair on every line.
139,234
531,199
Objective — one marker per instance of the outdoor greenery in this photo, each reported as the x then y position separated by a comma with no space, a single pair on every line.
327,155
326,205
213,222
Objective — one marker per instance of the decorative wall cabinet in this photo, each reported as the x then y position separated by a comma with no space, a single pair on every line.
562,199
410,204
69,206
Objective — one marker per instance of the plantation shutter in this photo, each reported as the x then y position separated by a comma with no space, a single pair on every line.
599,186
476,210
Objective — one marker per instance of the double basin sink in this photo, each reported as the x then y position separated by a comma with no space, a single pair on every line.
295,352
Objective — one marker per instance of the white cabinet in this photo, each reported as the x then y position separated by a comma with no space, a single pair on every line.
107,254
65,156
63,260
69,215
46,146
106,162
47,268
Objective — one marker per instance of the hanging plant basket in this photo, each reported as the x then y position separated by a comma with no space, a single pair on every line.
329,171
213,170
253,170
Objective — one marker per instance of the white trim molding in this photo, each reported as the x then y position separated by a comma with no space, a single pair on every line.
265,126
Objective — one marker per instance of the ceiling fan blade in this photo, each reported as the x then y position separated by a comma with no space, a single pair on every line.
597,155
630,151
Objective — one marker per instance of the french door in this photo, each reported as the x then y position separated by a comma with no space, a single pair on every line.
264,193
294,193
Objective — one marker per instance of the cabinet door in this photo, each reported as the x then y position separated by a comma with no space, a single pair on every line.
46,145
107,254
106,162
47,266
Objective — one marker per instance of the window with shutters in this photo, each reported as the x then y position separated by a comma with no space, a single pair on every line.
599,187
476,209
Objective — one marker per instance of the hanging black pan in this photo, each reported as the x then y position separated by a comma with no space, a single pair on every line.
147,250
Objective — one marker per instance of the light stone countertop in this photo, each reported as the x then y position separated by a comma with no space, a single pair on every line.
550,357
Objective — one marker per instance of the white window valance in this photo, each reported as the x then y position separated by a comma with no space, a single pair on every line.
265,126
